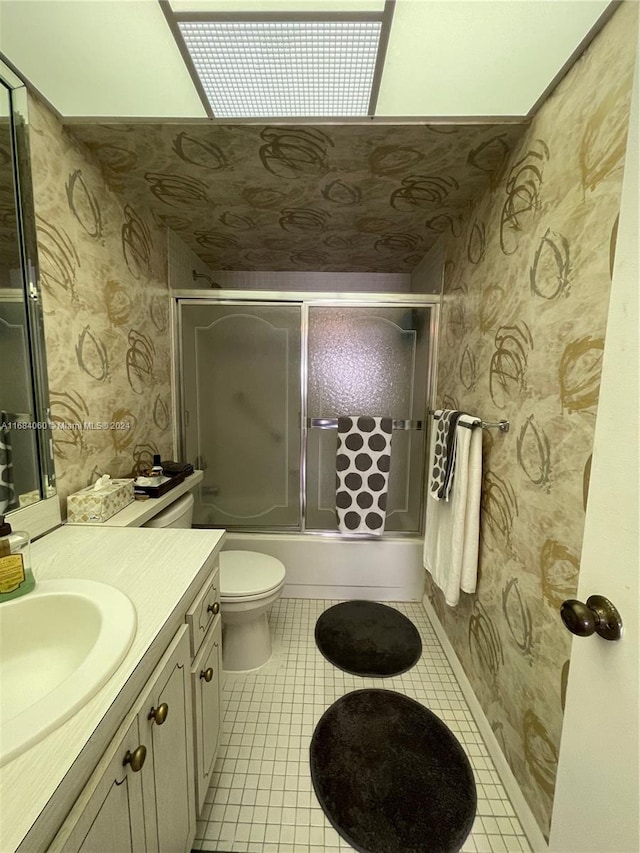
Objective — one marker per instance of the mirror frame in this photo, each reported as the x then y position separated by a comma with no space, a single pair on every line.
42,516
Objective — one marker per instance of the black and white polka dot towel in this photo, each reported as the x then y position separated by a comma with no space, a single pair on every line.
444,454
363,460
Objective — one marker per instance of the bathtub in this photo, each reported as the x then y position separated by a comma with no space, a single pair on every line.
329,567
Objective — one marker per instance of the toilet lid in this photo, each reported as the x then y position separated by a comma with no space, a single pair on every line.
248,573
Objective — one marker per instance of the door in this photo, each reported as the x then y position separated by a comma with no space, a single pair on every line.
166,724
206,675
109,813
596,805
241,387
371,360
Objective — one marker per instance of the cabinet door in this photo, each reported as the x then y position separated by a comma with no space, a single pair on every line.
207,699
108,816
204,609
166,720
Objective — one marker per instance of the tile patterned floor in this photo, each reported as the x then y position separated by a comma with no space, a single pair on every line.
261,799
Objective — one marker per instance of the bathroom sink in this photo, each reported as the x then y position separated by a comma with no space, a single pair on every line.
58,645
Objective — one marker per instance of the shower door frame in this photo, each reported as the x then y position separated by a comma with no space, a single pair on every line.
306,301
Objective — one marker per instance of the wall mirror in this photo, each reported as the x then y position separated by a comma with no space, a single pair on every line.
27,475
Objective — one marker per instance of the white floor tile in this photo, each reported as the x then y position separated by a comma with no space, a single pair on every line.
261,798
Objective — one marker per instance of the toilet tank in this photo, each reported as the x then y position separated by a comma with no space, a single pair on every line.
177,514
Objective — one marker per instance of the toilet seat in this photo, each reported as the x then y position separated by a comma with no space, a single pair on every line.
248,575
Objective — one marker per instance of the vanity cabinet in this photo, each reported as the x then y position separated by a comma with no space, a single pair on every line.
141,795
151,782
206,675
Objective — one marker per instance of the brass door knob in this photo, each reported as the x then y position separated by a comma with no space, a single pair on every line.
136,758
159,714
207,674
214,608
597,616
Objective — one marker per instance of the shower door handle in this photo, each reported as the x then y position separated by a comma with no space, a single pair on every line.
322,423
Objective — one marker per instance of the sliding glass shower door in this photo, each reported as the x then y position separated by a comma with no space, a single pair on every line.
262,385
371,360
241,412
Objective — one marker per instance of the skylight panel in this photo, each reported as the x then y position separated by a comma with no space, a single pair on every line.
297,68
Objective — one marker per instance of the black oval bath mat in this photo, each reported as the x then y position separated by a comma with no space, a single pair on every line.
367,638
390,776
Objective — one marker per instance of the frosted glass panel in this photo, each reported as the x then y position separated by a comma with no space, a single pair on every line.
367,361
241,367
362,360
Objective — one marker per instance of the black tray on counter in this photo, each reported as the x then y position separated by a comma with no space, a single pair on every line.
162,489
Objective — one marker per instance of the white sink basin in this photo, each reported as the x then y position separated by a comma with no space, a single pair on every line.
58,645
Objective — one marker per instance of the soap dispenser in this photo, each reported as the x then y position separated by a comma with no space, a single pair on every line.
16,577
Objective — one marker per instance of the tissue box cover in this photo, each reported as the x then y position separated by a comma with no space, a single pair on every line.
89,506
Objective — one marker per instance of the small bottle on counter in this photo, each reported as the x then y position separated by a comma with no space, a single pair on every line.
16,576
156,473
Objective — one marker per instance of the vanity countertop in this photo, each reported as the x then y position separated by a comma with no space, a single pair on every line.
139,512
160,570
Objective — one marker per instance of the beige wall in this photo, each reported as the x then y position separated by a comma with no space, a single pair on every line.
525,306
182,263
106,306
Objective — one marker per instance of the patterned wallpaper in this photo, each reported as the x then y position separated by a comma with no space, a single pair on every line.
106,306
340,198
524,315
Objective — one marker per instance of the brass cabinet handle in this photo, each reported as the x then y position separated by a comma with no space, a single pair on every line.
159,714
214,608
136,758
207,674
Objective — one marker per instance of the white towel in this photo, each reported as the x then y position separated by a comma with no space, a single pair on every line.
453,528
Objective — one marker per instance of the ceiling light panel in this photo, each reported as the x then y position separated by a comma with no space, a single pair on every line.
296,68
279,7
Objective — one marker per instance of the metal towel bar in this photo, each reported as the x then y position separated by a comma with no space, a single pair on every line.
503,426
332,423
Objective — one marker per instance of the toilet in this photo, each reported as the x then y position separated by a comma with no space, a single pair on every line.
177,514
250,584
